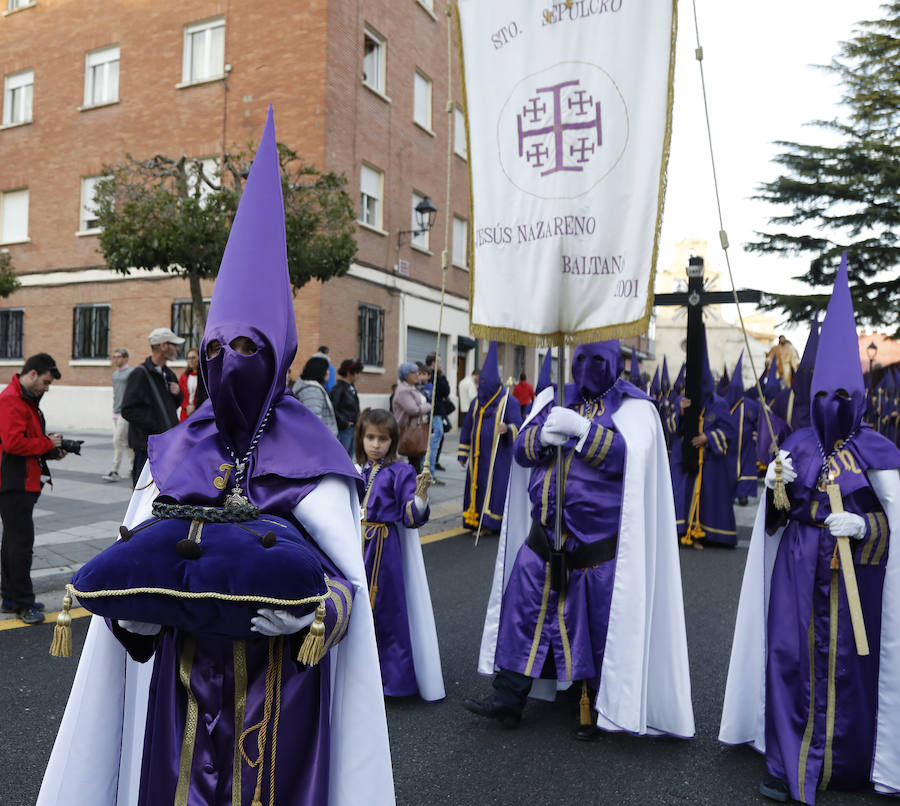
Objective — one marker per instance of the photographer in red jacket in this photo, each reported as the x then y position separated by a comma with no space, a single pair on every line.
24,450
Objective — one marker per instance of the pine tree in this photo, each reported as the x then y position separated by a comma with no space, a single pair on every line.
848,194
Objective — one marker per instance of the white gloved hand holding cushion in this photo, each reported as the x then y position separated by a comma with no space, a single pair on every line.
279,622
140,627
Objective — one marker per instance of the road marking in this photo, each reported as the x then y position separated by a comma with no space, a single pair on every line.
13,623
456,531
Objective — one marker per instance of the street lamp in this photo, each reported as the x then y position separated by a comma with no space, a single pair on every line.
425,214
871,351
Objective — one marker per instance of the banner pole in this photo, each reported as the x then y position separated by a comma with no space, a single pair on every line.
560,401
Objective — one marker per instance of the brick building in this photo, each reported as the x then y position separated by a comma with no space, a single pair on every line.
358,88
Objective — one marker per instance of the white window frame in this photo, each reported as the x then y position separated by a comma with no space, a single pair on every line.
18,5
101,69
378,81
18,98
209,72
422,102
364,195
460,147
85,216
421,240
7,234
460,262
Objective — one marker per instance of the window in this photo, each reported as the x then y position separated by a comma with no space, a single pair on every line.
91,336
209,167
18,95
420,240
12,331
429,4
374,61
371,335
14,216
422,101
460,242
13,5
204,51
371,182
459,133
182,324
518,361
101,76
88,220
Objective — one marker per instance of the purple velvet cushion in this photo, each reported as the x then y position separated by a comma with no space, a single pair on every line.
212,587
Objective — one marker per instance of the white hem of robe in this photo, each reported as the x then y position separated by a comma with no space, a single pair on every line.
645,686
97,756
744,710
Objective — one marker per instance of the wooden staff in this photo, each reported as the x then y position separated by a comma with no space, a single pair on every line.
846,563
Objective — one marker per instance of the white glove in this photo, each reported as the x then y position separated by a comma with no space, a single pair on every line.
420,505
139,627
279,622
561,424
788,474
846,524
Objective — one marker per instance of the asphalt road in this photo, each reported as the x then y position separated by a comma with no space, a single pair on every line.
444,755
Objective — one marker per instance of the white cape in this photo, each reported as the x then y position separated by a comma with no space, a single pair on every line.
645,687
744,710
96,758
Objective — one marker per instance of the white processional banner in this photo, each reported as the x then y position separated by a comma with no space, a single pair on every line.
568,121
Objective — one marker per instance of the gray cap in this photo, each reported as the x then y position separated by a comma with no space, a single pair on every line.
162,335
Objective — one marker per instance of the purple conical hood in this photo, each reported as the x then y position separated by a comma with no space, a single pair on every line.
735,390
834,417
771,386
252,297
635,371
679,379
489,378
546,375
723,382
654,385
812,344
664,378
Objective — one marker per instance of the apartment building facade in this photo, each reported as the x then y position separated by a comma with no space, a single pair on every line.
360,88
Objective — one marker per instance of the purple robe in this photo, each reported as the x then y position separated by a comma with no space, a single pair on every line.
742,451
821,697
476,440
717,480
538,633
389,501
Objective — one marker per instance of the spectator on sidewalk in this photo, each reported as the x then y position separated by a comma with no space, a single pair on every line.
310,391
120,424
192,386
409,404
440,389
346,402
322,352
523,392
152,396
468,391
25,448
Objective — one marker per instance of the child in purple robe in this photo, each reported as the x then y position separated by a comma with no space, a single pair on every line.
394,506
798,689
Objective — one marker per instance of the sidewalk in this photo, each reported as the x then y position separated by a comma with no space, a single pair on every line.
80,514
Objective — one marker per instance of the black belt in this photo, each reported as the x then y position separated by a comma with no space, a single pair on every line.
585,556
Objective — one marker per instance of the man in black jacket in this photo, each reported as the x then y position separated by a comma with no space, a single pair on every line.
345,401
152,396
440,388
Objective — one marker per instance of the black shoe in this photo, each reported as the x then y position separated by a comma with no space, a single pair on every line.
437,482
488,708
439,466
12,607
587,733
743,501
30,615
775,788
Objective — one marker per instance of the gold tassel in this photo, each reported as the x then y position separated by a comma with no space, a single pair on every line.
62,632
779,493
313,645
585,704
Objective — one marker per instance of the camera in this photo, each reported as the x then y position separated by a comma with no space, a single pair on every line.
71,445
